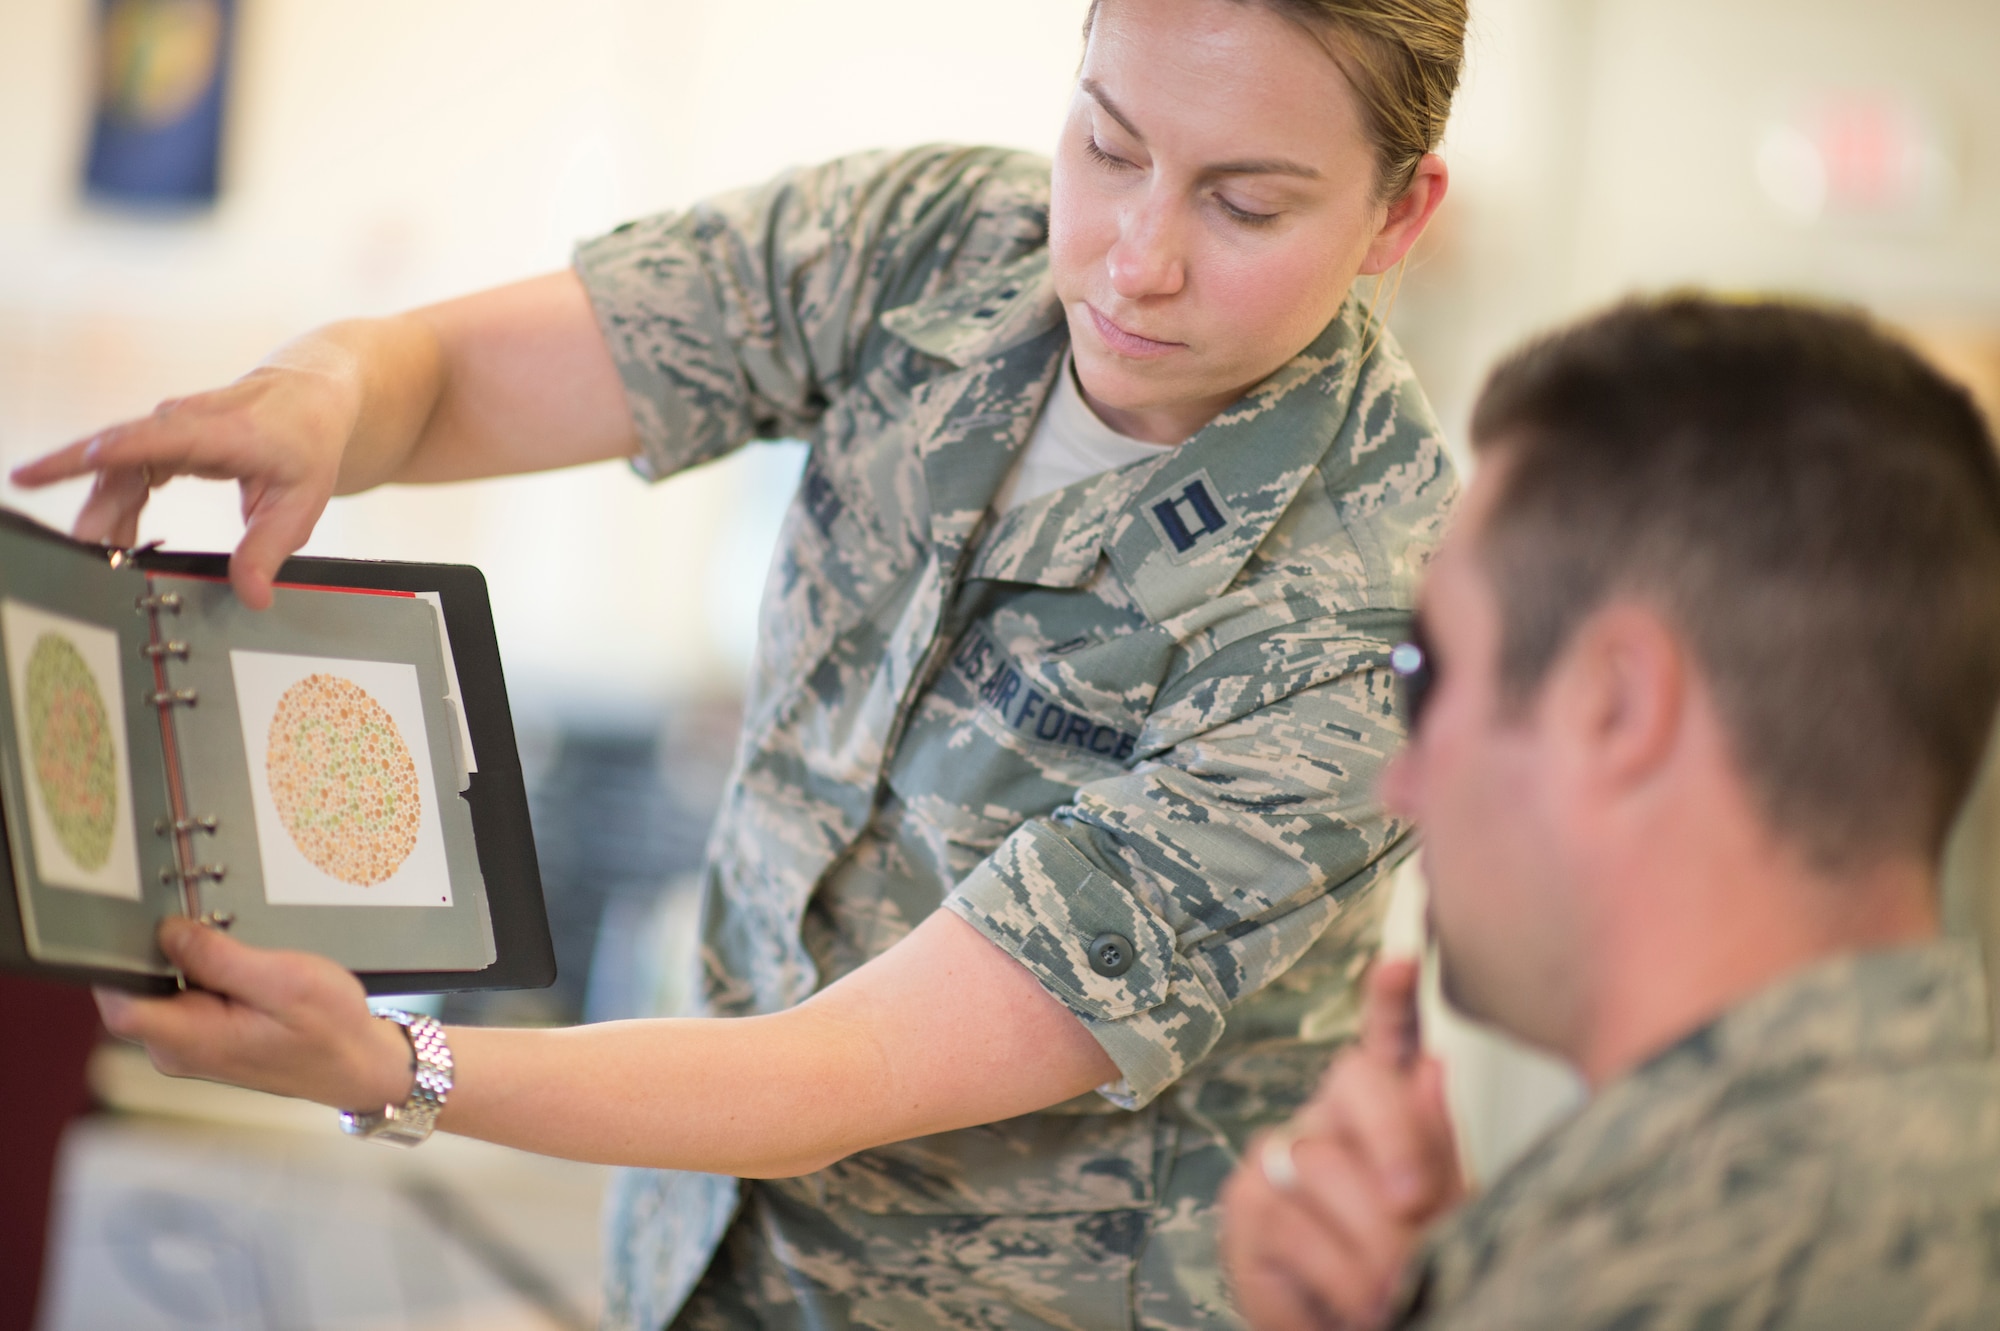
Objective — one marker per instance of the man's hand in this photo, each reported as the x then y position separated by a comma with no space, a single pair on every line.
286,1022
1322,1215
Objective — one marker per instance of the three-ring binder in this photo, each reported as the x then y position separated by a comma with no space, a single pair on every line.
187,872
192,787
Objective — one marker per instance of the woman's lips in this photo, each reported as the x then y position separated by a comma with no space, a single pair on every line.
1127,343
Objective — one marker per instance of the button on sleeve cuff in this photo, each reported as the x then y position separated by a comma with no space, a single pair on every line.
1096,946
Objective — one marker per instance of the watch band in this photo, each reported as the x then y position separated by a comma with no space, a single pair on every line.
410,1122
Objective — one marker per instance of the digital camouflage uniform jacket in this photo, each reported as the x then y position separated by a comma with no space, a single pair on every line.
1146,711
1825,1157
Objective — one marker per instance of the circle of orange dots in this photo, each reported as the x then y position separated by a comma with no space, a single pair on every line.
343,780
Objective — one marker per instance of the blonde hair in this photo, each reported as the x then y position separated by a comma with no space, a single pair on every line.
1401,57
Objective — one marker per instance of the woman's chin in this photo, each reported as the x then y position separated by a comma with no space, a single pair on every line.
1124,384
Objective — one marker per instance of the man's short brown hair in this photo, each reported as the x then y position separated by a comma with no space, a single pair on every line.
1813,506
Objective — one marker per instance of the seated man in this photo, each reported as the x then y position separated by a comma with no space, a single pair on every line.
1712,652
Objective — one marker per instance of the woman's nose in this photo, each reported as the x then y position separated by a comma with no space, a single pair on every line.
1147,259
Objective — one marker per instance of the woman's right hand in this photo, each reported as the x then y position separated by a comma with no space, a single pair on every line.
510,380
280,432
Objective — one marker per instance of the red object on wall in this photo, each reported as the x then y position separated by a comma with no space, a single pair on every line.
46,1034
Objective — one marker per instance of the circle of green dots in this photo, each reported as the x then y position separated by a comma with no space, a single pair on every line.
345,762
69,734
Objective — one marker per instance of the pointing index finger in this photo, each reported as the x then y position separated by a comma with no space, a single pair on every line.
63,464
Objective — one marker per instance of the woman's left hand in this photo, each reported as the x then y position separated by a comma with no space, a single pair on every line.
286,1022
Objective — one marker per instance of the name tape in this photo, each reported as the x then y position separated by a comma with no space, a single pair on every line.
1003,690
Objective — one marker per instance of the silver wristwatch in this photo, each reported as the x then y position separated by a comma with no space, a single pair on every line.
410,1122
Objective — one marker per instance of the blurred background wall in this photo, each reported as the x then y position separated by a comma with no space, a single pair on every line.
378,155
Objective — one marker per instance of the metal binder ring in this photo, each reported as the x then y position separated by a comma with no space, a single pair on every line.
201,822
210,873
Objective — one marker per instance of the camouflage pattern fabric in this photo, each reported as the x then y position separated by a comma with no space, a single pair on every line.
1825,1156
1151,705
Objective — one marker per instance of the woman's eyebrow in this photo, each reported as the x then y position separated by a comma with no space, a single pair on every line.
1251,166
1096,93
1263,166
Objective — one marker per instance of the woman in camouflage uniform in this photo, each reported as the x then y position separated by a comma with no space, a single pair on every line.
1053,850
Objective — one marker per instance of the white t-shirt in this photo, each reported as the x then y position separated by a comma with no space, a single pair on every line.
1069,443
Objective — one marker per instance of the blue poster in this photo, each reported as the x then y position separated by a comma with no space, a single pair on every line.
162,68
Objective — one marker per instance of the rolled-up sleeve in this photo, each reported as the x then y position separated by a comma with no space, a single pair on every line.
740,317
1217,862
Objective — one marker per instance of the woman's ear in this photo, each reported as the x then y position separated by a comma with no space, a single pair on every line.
1408,215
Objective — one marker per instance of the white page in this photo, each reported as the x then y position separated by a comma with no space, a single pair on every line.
469,761
314,848
79,842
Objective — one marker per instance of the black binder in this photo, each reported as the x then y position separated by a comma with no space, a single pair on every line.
336,774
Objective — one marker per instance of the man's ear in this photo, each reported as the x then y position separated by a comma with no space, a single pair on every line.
1620,696
1408,214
